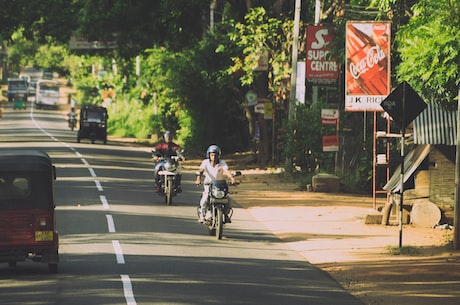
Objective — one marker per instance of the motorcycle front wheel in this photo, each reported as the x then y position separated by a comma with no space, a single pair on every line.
219,224
168,190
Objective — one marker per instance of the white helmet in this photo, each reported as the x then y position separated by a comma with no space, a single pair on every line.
213,149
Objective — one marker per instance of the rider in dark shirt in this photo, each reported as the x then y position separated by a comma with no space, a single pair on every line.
166,149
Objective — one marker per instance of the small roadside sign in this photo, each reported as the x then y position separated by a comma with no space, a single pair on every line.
259,108
403,105
329,116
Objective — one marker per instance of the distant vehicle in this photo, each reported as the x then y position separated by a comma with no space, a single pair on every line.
17,90
47,75
30,85
93,123
32,75
47,93
27,208
32,88
26,77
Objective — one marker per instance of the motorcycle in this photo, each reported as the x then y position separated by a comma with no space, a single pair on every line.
72,120
169,171
218,210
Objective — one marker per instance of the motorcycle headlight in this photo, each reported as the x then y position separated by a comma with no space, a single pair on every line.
170,166
216,193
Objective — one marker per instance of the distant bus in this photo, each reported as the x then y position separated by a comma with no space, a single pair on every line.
47,93
17,89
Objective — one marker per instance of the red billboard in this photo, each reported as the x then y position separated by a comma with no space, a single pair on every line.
367,73
320,68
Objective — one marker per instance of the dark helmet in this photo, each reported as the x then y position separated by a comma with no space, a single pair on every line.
213,149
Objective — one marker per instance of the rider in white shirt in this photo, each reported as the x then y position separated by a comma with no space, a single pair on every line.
213,169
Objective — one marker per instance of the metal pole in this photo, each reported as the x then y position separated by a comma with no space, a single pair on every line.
401,198
457,183
374,165
292,94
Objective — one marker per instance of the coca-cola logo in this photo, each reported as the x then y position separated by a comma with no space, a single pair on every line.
373,57
379,29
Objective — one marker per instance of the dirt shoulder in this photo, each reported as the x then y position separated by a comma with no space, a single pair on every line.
329,230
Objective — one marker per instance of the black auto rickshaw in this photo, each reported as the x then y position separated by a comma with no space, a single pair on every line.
93,123
27,218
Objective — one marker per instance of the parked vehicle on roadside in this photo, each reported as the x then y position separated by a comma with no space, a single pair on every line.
27,208
47,93
93,123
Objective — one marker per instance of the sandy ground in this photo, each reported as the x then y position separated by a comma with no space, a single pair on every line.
329,230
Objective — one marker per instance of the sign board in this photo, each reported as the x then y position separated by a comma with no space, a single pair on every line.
268,111
80,43
330,143
329,116
367,72
251,98
300,82
403,105
320,68
259,108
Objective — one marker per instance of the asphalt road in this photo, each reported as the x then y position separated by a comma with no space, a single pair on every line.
120,243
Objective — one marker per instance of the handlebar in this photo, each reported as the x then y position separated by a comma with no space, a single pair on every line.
229,183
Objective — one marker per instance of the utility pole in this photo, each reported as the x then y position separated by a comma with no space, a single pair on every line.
212,8
295,43
457,183
292,95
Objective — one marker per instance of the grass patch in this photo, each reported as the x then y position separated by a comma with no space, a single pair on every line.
404,250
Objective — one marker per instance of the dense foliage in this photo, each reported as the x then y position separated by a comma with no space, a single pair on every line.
431,39
172,71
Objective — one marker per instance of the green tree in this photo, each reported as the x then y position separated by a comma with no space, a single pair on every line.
429,46
21,52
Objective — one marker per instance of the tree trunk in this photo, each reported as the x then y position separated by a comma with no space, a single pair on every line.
264,142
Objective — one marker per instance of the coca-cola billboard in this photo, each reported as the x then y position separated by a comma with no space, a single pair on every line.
320,68
367,73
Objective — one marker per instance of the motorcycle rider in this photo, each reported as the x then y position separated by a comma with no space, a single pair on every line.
165,149
72,116
213,168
